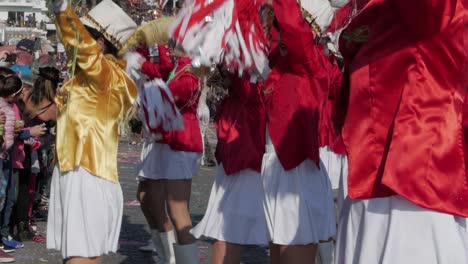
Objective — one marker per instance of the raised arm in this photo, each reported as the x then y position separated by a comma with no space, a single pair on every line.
296,34
80,46
153,70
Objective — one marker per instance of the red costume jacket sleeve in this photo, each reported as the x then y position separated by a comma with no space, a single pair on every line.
426,17
161,70
184,89
296,34
156,70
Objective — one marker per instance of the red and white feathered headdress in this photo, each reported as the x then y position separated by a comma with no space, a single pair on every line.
222,31
230,31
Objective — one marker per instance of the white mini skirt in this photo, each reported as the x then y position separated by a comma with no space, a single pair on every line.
393,230
85,214
235,211
298,203
284,207
159,162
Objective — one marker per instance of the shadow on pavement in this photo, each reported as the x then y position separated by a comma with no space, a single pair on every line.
132,236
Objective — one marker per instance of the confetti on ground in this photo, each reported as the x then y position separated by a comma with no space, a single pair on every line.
133,203
129,157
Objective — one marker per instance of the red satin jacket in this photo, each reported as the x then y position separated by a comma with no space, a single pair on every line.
163,68
240,125
407,81
295,89
184,86
328,135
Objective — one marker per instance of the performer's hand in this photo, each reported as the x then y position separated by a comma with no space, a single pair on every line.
58,6
134,61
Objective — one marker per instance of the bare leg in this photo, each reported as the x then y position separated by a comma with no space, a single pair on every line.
158,205
226,253
143,196
178,198
298,254
275,254
80,260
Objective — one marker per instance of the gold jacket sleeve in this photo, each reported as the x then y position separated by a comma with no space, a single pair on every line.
81,47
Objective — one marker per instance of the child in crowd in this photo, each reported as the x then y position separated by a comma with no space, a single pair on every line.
9,87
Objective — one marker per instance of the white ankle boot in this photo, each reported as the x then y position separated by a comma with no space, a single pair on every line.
166,253
186,254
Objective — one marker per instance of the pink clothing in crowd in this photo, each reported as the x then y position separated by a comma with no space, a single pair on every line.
9,127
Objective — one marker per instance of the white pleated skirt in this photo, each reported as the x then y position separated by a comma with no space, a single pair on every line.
393,230
298,203
159,162
284,207
334,164
85,214
235,210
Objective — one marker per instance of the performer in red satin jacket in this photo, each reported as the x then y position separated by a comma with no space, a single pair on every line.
235,215
404,90
164,66
240,123
298,197
172,160
184,86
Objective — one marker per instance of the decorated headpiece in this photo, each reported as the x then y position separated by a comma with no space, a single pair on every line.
111,21
153,32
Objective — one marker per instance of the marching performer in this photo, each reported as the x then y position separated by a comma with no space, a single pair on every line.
406,65
298,196
86,202
174,158
235,215
148,194
151,192
291,196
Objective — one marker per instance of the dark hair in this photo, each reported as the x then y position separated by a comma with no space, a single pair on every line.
4,71
12,85
45,86
2,81
97,35
179,4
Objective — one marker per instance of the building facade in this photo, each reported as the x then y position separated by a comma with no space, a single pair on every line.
22,19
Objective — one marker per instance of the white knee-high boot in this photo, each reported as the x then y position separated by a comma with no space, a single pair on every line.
186,254
167,255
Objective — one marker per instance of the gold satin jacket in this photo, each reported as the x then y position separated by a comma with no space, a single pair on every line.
97,98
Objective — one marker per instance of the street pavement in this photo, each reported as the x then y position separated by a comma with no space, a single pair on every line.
135,232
